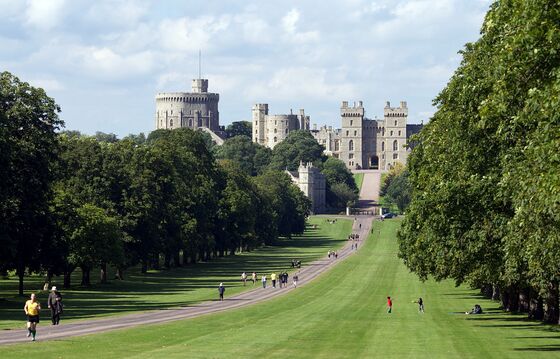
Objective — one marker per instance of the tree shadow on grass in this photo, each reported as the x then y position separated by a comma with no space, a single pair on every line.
162,289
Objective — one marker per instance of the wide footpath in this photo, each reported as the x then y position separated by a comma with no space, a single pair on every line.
308,272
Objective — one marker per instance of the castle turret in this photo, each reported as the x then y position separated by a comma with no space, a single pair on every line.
352,134
394,135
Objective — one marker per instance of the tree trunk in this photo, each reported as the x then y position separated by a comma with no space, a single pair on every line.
495,292
67,279
85,276
155,262
144,268
177,258
20,274
103,274
524,301
551,315
536,310
119,274
166,260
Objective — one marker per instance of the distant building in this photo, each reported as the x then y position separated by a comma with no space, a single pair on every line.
361,143
269,130
197,109
313,184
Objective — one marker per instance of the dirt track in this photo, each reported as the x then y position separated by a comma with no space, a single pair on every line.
306,274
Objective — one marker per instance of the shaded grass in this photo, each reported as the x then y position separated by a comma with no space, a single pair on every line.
359,179
174,287
340,315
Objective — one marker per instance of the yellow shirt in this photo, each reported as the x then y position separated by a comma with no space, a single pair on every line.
32,307
273,276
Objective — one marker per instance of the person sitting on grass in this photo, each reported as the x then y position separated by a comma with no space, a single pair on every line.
476,310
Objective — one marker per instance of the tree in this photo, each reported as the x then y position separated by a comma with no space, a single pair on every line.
484,174
299,146
28,150
251,157
240,128
341,187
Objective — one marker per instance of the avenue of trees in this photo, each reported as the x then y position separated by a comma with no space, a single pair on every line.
70,201
485,174
395,188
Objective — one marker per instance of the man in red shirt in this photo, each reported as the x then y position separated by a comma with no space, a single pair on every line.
389,305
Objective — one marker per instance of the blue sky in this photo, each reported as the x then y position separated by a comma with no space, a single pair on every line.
104,61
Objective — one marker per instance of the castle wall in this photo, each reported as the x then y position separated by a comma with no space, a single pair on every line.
269,130
195,109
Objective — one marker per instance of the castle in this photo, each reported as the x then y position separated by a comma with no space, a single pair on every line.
269,130
196,109
361,143
313,184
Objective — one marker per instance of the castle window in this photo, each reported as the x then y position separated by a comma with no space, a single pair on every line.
391,133
395,122
336,146
286,130
190,122
351,145
351,156
171,123
275,139
382,146
275,131
274,122
395,156
383,131
347,132
399,133
355,133
351,121
395,145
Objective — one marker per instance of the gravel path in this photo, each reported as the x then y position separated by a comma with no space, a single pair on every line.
306,274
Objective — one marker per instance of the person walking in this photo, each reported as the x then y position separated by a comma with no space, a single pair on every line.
389,305
420,302
254,277
221,291
32,309
54,303
263,280
295,279
273,279
244,278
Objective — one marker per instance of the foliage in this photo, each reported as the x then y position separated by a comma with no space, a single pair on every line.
251,157
239,128
299,146
28,152
484,175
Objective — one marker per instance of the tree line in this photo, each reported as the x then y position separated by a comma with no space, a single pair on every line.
71,201
485,174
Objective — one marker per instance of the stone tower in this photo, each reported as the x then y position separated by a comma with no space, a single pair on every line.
195,109
351,136
393,147
269,130
259,112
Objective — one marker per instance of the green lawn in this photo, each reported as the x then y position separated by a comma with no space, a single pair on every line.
176,287
359,179
340,315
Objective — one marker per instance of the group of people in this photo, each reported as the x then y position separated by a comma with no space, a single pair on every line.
32,309
296,263
332,254
354,237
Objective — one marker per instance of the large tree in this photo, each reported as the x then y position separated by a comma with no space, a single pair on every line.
28,150
299,146
484,175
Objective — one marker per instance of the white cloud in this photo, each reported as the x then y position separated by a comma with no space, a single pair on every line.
47,83
44,15
119,13
289,24
190,35
297,83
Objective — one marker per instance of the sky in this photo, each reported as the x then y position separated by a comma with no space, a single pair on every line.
104,61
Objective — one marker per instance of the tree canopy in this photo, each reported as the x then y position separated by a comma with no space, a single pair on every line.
484,175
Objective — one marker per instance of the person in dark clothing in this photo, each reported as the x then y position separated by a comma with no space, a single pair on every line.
221,290
420,305
55,305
